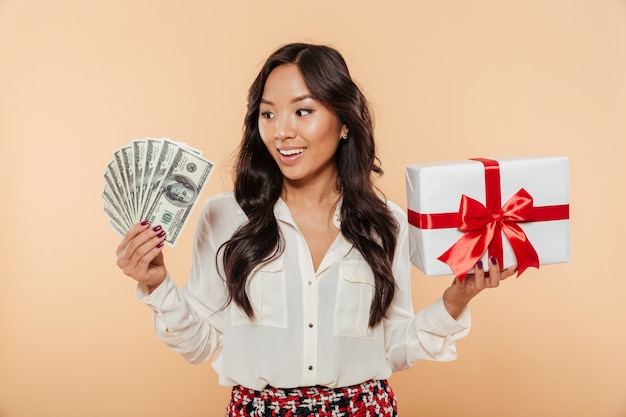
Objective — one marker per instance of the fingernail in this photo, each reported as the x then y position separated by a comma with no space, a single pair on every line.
144,223
493,260
161,234
157,228
479,264
160,245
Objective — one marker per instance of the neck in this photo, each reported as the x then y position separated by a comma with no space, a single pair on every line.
320,193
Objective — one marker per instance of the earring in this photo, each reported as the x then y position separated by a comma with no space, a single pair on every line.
345,137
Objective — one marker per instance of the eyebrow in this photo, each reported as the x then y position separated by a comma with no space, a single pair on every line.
293,100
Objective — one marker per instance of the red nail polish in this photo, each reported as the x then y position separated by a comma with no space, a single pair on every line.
144,223
479,264
161,234
159,245
157,228
493,260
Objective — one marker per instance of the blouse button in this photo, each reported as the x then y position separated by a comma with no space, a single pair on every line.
310,368
311,325
309,283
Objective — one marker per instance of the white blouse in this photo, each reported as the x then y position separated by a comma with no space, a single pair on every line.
310,327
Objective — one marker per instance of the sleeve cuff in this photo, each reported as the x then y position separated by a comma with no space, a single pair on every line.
162,296
440,320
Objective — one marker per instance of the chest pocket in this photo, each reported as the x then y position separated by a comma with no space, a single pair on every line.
355,291
268,295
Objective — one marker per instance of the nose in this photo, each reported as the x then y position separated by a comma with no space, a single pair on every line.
285,128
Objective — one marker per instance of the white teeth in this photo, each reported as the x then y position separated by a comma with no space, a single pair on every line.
289,152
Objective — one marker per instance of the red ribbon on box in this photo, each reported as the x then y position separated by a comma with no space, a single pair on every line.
482,225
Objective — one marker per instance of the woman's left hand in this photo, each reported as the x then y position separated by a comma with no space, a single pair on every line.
457,296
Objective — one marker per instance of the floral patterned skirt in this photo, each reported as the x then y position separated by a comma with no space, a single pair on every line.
372,398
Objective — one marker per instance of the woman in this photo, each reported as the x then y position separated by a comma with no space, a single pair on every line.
300,279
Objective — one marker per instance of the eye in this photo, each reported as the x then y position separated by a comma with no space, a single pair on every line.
267,115
303,112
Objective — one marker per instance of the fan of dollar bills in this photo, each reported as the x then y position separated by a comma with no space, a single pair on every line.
158,180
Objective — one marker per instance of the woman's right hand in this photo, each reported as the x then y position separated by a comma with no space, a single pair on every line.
140,254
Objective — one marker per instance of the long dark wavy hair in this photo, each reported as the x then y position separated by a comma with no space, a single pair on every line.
365,219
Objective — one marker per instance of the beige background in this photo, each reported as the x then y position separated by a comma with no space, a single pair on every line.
448,80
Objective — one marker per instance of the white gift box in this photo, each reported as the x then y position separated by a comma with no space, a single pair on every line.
435,191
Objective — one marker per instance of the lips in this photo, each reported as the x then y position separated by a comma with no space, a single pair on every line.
290,156
291,152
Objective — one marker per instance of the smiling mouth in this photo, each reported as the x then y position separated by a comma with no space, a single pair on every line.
291,152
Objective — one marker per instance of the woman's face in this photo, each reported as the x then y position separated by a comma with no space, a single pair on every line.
300,133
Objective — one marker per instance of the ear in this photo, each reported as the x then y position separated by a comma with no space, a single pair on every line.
344,131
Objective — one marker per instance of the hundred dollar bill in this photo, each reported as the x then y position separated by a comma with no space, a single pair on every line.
139,155
153,185
178,193
114,210
114,179
154,179
114,222
153,150
124,160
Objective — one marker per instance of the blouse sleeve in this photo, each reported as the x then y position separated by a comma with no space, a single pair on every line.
431,333
189,320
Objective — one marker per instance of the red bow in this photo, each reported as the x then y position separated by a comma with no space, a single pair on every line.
483,229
